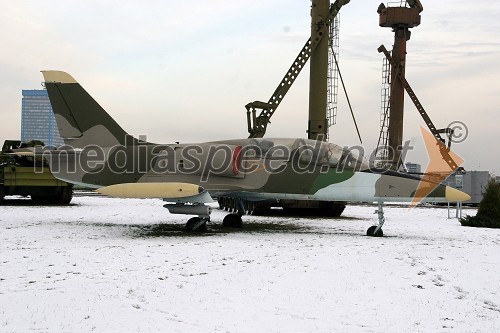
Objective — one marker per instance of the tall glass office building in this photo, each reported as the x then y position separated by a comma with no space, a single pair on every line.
37,120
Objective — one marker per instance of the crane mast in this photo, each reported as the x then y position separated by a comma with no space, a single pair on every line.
318,80
401,19
315,48
443,149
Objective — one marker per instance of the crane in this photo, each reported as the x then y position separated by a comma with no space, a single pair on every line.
257,123
445,149
259,113
401,19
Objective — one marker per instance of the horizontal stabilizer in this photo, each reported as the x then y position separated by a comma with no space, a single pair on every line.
152,190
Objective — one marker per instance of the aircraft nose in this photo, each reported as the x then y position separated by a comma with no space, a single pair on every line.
454,195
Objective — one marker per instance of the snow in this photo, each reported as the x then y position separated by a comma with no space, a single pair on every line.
106,264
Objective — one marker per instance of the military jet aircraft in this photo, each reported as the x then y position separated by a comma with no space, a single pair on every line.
98,153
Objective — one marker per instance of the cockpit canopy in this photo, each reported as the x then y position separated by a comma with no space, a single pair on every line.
307,152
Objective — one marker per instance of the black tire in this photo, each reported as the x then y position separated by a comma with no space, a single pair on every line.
371,232
232,221
2,192
39,200
190,225
64,198
333,209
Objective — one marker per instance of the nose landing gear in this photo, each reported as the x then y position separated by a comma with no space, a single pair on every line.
376,230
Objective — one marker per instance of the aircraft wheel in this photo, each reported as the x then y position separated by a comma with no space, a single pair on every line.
332,208
232,221
371,232
193,225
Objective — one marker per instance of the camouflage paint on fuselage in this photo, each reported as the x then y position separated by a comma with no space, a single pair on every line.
104,154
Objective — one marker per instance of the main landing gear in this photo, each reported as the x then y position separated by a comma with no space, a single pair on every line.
194,224
376,230
234,220
199,223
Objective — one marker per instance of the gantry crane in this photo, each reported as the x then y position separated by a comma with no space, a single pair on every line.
401,19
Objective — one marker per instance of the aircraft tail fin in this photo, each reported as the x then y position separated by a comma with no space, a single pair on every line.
80,119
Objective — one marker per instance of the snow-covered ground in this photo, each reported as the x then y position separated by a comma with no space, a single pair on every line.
118,265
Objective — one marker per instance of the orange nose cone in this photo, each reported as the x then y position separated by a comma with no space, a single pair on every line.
454,195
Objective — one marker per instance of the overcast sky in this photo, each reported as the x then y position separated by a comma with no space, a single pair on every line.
183,70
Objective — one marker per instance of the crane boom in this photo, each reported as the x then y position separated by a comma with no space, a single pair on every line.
445,151
257,124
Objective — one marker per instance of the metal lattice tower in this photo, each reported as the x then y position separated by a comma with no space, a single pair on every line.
333,73
385,100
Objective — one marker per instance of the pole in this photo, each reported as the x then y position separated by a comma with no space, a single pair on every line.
318,83
396,113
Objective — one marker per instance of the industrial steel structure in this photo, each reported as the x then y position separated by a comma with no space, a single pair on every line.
401,18
316,48
322,50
